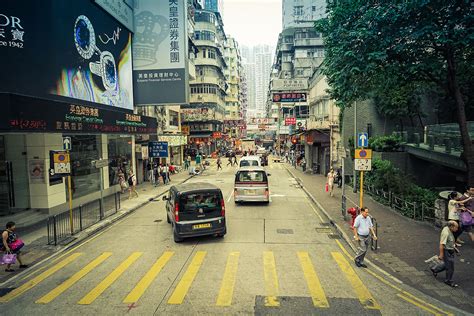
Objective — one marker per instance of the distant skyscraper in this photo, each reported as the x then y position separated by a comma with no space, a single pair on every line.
263,66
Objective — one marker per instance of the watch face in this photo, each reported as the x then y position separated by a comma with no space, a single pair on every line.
84,37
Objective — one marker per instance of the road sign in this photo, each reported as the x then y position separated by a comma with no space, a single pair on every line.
61,163
363,164
67,144
290,120
158,149
363,154
362,140
100,163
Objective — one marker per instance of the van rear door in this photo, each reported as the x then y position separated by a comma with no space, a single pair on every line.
251,182
200,205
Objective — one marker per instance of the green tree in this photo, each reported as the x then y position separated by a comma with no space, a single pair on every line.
427,43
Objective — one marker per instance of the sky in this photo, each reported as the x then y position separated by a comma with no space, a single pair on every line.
253,22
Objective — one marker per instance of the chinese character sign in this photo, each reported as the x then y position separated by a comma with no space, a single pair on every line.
159,52
158,149
290,97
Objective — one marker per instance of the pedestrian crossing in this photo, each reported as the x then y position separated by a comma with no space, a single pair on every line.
270,263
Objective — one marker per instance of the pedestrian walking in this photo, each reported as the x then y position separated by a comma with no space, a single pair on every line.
303,164
447,250
363,227
156,174
186,163
168,173
229,161
467,208
219,163
122,182
199,161
11,244
454,210
330,180
234,160
132,183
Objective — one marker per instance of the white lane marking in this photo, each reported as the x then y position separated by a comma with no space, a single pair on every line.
230,196
277,195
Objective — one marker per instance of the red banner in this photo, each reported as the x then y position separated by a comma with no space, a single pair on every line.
290,121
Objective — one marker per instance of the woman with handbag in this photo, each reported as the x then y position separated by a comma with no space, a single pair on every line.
12,245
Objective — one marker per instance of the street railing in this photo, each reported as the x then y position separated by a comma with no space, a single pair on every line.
83,216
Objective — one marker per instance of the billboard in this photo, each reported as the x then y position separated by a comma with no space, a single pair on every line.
69,51
160,49
290,97
198,114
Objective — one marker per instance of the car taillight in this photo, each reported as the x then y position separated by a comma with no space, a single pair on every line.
267,193
222,208
235,193
176,212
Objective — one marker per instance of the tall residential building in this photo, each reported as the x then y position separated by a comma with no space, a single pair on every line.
298,55
205,113
263,63
249,70
214,6
233,118
302,13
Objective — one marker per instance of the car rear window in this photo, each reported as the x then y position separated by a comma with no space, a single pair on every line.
251,176
205,200
249,163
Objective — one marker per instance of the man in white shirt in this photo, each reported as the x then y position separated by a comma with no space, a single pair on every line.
362,228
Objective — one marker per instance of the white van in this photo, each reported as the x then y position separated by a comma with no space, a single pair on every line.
251,185
250,161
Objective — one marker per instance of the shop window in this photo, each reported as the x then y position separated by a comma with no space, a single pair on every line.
120,157
85,179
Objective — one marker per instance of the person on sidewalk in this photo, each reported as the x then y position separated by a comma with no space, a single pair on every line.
219,163
8,238
362,228
454,210
156,174
132,185
330,178
447,250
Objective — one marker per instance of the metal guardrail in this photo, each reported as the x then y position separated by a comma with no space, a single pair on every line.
83,216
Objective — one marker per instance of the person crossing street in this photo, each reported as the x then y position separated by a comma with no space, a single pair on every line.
219,163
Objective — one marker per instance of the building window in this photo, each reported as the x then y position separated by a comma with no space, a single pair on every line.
298,10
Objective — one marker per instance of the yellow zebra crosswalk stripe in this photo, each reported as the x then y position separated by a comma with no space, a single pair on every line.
271,279
228,282
187,280
148,278
38,279
314,285
363,294
73,279
111,278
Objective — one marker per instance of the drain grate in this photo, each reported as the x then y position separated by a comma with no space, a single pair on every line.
323,230
285,231
334,236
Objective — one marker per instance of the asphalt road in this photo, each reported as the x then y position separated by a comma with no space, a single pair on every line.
276,259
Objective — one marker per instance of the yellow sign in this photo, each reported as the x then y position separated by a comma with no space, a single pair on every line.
363,154
185,129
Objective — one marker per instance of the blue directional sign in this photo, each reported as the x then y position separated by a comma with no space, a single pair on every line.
158,149
67,144
362,140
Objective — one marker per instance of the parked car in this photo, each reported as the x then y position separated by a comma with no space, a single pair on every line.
247,161
251,185
195,209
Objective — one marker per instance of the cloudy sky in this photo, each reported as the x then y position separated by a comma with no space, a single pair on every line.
253,22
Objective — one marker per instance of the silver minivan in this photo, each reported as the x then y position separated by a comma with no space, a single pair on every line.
251,185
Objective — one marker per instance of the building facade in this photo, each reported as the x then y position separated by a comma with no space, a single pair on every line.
205,112
233,123
60,112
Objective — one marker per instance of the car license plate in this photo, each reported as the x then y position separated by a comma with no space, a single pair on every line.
201,226
250,192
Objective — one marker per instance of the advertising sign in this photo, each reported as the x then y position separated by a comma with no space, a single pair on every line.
216,135
293,97
173,140
290,120
289,84
160,51
185,129
198,114
69,51
158,149
36,170
122,10
28,114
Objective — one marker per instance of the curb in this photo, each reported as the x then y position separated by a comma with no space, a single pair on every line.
89,232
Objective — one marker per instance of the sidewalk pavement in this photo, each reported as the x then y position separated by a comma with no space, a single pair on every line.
35,237
403,244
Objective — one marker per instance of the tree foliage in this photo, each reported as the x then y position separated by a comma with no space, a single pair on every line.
388,50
